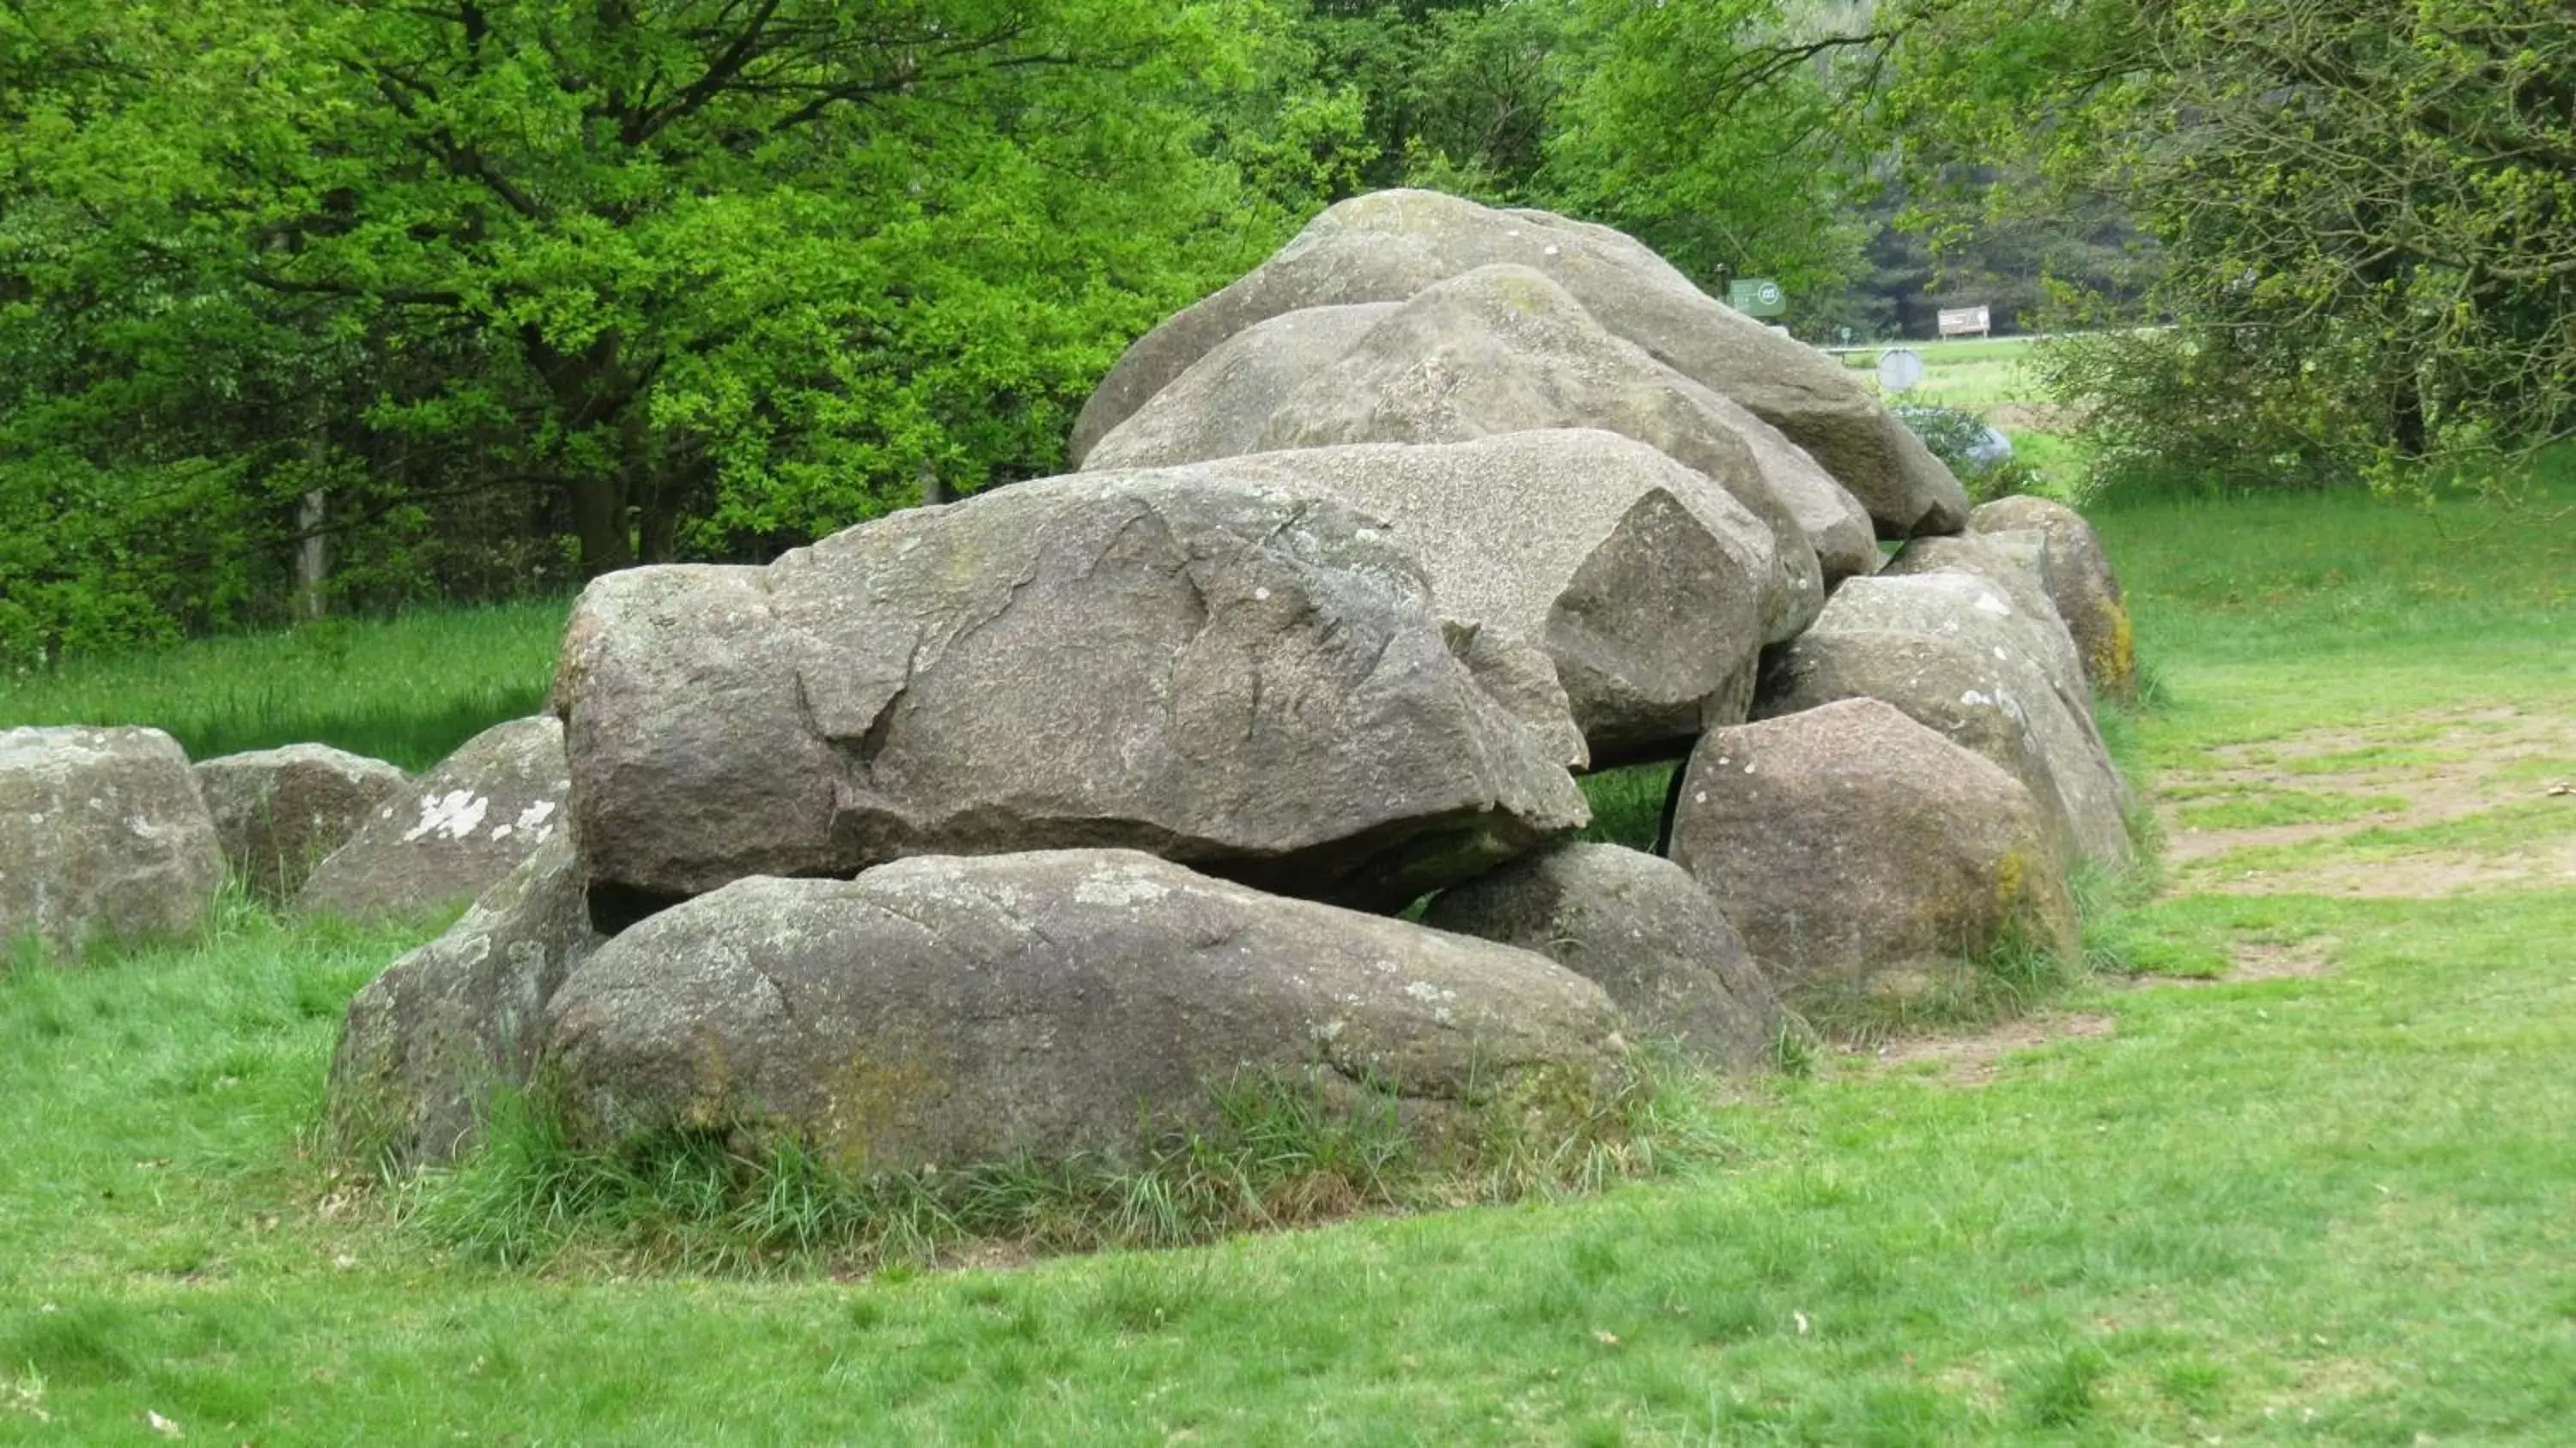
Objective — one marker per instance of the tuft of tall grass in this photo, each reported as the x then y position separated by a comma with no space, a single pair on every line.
1273,1152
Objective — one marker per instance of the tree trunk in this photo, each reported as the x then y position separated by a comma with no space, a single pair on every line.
599,521
2408,423
661,530
312,555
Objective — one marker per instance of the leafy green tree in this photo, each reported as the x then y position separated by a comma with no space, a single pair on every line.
2365,212
701,275
1723,133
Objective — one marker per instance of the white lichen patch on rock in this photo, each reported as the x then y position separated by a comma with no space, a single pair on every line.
455,814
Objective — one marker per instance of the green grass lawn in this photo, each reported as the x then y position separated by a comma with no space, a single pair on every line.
2313,1189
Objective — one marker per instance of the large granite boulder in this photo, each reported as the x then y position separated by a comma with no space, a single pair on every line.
1238,677
1218,408
2080,582
1390,245
1497,350
1859,851
1980,696
427,1045
102,837
1504,349
453,834
1643,930
944,1011
278,812
1647,585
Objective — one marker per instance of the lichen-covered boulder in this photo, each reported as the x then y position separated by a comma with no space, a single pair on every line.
278,812
1390,245
454,833
1646,585
945,1012
2081,583
426,1046
1242,678
1858,850
1643,930
103,836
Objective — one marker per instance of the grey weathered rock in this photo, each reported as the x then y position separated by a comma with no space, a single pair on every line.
1953,603
942,1011
1233,676
2080,581
1646,584
2015,562
1980,696
279,811
454,833
1857,849
428,1044
1218,408
1640,928
102,837
1387,246
1503,350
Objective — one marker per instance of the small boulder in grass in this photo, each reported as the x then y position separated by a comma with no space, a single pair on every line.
1861,852
103,836
455,833
1643,930
280,811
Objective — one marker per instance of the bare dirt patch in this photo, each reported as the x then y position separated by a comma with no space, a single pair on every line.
2435,767
2259,960
1977,1060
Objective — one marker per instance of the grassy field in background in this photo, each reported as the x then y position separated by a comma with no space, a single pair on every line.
407,690
2305,1179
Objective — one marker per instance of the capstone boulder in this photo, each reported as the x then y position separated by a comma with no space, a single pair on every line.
1242,678
1390,245
1647,585
1504,349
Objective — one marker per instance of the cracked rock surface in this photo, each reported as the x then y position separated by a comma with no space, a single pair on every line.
1232,675
947,1011
1647,585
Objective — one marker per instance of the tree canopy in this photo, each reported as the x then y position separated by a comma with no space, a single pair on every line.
493,294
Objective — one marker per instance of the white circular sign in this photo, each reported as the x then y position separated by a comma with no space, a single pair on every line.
1767,294
1899,369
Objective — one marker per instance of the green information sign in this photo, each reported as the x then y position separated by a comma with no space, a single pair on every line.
1756,297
